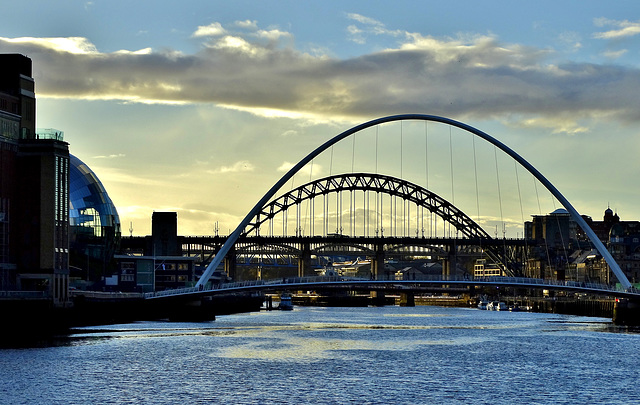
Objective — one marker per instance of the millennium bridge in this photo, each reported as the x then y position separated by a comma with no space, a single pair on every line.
416,208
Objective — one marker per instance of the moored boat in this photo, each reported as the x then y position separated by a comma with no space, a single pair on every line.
497,306
286,303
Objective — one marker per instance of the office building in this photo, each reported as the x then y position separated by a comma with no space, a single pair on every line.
34,191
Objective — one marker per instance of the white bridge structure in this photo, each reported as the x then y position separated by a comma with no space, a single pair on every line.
344,283
250,220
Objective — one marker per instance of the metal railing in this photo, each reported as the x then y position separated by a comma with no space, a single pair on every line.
463,280
24,294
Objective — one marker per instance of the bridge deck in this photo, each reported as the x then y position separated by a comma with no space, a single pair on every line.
407,285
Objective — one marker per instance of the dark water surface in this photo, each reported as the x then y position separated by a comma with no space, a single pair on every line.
418,355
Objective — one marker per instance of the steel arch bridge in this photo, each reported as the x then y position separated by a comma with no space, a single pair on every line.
376,183
419,117
380,184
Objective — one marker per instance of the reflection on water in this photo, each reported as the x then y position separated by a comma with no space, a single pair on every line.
334,355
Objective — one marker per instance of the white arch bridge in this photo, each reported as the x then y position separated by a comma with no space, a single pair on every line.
350,284
267,207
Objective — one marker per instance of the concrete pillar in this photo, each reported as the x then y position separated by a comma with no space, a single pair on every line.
230,264
377,298
626,312
377,263
407,300
304,261
449,263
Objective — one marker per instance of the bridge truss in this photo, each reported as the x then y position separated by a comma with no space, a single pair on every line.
378,185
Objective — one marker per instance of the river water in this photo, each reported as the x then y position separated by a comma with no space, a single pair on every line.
420,355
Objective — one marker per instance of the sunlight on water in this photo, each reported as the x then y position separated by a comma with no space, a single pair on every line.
333,355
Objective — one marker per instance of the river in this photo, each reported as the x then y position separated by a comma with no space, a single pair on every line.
420,355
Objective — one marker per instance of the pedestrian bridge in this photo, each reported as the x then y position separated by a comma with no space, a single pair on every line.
344,283
389,205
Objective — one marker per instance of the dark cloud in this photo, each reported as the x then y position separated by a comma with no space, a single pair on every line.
480,77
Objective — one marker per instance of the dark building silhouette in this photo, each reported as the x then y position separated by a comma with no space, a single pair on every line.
160,264
34,191
564,252
164,234
622,239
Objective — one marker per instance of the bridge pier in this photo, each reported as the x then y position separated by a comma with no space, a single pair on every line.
626,312
449,263
378,273
407,300
377,298
230,265
377,263
304,261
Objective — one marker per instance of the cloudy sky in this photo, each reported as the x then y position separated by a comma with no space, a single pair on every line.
199,106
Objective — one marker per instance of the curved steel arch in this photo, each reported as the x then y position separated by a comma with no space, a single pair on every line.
371,182
419,117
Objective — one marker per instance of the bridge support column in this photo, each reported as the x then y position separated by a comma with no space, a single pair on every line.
407,300
377,264
626,312
230,266
304,261
449,263
377,298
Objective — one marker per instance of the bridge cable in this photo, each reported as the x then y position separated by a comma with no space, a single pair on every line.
401,150
453,197
308,210
378,225
353,151
546,244
553,201
526,249
475,170
564,248
495,153
331,162
426,168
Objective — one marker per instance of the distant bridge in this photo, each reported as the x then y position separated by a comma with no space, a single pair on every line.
350,284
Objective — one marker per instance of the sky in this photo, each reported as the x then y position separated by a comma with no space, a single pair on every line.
199,107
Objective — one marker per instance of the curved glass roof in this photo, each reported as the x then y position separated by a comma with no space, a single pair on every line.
89,203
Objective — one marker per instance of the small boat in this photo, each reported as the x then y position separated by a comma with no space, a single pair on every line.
497,306
482,304
285,302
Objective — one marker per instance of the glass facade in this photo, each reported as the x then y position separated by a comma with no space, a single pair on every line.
94,225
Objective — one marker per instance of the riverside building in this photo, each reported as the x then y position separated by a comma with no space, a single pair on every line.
34,192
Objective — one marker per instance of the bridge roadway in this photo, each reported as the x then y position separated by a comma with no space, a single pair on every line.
343,283
207,246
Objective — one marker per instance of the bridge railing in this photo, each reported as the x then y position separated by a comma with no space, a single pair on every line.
524,281
24,294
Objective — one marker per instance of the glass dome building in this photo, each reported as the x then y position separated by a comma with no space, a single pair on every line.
94,225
